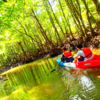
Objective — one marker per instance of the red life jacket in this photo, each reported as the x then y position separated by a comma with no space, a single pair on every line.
67,53
87,52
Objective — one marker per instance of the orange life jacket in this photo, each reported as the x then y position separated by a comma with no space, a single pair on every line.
87,52
67,53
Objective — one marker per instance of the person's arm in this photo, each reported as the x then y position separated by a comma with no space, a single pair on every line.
77,55
62,56
76,59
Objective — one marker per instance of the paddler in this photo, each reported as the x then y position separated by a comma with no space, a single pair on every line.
67,56
83,54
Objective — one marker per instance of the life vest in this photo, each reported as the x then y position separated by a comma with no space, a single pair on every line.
67,53
87,52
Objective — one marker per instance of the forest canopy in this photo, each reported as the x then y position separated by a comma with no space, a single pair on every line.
30,26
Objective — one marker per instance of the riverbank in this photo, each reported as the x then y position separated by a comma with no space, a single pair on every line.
92,42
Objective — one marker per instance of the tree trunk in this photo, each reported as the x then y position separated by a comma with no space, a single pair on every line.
87,13
40,42
78,11
52,22
63,15
25,32
56,18
72,10
71,34
97,5
41,29
23,50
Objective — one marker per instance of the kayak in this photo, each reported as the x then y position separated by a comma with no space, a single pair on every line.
95,62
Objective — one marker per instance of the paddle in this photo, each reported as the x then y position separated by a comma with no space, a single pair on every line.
62,59
55,68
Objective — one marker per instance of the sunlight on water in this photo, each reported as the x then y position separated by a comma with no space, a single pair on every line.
86,82
37,80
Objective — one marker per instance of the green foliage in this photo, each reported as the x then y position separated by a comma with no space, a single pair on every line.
17,23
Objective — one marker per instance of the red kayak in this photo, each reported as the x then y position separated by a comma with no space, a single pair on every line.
95,62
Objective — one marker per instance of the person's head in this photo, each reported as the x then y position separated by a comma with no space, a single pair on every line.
64,49
79,46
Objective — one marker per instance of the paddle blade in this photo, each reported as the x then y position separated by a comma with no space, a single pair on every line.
53,70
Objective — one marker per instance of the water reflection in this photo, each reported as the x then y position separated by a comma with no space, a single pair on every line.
86,82
81,86
34,83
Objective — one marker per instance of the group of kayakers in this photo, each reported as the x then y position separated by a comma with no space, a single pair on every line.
83,54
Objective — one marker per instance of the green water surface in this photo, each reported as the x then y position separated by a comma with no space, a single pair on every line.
35,81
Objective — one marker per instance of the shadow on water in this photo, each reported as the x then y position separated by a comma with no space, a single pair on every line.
35,81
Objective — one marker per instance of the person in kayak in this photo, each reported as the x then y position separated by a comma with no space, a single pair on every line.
67,56
84,54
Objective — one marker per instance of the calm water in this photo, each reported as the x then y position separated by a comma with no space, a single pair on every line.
37,82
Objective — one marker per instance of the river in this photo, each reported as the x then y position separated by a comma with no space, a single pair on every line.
35,81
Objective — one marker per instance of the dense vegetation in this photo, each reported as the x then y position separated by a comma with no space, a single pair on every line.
31,28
